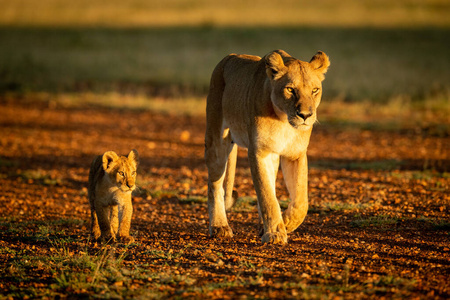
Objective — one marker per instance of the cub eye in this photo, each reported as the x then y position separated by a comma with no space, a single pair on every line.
133,173
121,173
315,90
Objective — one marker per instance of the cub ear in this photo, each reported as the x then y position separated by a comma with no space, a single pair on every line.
275,67
108,158
133,156
320,62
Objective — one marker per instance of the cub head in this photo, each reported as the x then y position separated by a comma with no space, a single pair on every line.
296,86
121,170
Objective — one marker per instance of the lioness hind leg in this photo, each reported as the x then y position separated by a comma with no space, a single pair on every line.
218,146
230,198
216,160
217,149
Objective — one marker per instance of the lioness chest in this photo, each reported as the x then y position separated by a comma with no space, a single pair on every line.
269,135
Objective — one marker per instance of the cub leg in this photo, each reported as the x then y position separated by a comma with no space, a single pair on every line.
295,173
216,154
103,214
263,170
126,211
114,219
95,228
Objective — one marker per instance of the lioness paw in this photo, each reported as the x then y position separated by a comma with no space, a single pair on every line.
127,239
274,238
290,226
221,232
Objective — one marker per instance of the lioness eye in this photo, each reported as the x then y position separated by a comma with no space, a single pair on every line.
134,173
290,90
315,90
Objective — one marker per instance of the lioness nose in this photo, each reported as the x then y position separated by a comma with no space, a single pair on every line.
304,115
129,184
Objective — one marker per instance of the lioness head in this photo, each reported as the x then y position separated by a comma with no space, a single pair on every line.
296,86
121,170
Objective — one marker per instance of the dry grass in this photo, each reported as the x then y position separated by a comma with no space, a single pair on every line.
353,13
398,113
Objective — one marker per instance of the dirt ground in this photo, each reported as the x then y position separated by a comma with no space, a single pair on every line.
377,227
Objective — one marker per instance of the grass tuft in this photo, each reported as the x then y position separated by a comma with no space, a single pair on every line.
380,222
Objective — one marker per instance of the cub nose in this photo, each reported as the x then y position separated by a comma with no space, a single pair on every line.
304,115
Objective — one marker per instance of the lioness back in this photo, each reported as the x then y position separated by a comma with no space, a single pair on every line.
112,179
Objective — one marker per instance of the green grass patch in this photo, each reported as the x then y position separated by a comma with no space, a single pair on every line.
39,231
39,176
435,223
426,175
385,165
163,194
340,206
380,222
157,194
179,61
79,272
4,162
194,200
245,204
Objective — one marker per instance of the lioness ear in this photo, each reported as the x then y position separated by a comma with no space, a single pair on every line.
133,156
320,62
275,67
108,158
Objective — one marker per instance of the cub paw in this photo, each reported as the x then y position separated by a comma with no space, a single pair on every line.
274,238
261,230
108,239
221,232
127,239
95,238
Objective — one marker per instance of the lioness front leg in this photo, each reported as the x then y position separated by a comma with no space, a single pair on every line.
295,173
275,166
262,167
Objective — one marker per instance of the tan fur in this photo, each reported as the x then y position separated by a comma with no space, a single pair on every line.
111,182
268,106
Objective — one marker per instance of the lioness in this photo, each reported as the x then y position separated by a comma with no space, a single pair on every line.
268,106
111,182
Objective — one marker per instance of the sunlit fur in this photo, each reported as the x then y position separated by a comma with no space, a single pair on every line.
267,105
112,179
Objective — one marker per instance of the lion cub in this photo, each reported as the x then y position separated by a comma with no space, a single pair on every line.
111,181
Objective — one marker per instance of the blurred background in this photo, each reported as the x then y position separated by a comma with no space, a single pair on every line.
393,55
